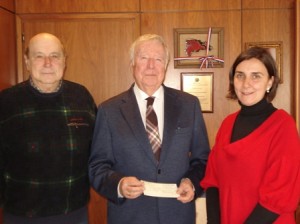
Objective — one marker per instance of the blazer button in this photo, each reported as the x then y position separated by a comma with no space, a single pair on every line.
159,171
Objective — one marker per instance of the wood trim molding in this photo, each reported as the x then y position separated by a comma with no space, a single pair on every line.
19,50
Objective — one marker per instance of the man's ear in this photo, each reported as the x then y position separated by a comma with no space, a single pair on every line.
26,60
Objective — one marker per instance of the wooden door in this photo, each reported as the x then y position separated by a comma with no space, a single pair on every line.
8,48
97,56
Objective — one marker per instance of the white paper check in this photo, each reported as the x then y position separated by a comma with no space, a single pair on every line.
160,190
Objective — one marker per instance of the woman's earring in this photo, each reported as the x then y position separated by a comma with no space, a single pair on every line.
268,90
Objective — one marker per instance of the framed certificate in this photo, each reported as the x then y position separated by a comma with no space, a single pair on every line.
199,84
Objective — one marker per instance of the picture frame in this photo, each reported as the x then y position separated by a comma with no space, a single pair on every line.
191,42
199,84
275,49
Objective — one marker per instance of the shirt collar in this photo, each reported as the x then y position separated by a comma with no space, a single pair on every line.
142,95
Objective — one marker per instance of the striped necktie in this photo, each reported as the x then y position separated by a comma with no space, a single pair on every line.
152,128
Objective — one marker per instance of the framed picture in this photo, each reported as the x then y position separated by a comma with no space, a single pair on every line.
275,49
199,84
192,43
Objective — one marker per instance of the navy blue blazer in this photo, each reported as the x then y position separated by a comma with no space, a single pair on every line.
121,148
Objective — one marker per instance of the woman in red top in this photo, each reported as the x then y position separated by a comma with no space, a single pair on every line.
253,171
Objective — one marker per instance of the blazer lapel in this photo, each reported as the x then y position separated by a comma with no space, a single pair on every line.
170,121
130,110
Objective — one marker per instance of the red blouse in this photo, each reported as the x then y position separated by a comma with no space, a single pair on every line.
263,167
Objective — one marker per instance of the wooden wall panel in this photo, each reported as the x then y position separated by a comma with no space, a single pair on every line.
97,48
189,5
8,4
8,69
267,4
164,23
68,6
274,25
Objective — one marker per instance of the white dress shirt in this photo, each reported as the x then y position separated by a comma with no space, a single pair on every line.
158,106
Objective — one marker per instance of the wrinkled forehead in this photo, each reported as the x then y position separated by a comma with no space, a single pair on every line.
150,47
45,44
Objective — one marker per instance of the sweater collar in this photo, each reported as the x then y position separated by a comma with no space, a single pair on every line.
259,108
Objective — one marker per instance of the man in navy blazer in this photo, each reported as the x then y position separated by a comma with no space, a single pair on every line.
122,159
